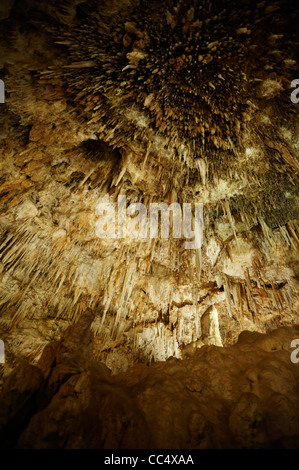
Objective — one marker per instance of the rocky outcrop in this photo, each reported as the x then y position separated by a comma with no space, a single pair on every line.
240,396
171,102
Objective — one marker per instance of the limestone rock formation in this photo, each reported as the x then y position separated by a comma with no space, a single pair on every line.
169,101
240,396
180,104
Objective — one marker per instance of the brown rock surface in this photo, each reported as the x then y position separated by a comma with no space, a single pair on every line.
240,396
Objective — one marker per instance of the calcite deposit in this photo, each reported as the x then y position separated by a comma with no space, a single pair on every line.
169,101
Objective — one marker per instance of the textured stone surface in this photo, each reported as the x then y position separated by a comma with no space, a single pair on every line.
162,101
240,396
167,102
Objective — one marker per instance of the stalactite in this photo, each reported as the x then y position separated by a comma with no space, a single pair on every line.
266,231
226,284
229,215
292,232
250,293
103,120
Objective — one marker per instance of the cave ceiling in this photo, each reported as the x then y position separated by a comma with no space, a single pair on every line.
163,102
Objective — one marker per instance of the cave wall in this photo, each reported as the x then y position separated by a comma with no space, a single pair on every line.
167,103
243,396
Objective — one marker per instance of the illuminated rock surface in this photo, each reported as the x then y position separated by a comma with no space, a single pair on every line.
161,101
